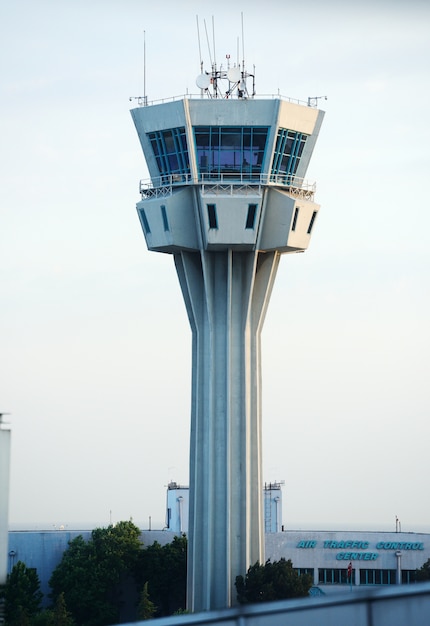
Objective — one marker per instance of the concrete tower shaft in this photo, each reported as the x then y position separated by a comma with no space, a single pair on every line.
227,197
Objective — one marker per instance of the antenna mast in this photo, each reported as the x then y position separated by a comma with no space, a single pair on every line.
211,83
243,45
213,38
200,49
145,102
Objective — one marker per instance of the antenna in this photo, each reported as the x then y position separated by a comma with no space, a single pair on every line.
142,100
243,45
211,83
207,41
313,101
213,38
200,49
144,69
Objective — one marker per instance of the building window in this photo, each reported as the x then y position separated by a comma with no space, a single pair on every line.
212,217
296,215
145,222
230,151
171,153
164,216
409,576
302,571
311,223
250,218
334,576
287,155
377,577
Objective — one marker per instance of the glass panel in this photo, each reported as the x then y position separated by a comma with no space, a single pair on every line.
170,151
288,150
230,150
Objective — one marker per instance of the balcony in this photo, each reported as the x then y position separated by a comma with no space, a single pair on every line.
227,183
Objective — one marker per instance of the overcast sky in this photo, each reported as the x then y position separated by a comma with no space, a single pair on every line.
95,344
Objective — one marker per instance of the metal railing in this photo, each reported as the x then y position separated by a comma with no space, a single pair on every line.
143,101
395,606
227,183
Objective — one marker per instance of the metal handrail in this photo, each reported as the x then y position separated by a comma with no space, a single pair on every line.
168,181
143,101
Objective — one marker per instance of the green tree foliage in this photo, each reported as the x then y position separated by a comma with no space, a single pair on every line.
272,581
57,616
146,608
165,567
423,573
90,573
22,595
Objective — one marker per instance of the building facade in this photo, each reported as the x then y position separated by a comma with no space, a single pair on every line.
377,558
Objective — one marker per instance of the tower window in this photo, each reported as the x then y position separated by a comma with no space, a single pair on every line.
145,222
287,155
311,223
212,217
171,153
164,216
230,151
250,218
296,215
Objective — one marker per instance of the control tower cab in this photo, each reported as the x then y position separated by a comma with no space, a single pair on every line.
227,174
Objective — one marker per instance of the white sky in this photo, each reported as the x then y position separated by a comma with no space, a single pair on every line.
94,338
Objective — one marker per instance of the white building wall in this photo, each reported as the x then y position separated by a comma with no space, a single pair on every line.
334,550
177,508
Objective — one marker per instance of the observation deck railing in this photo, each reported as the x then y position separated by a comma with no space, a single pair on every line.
143,101
227,184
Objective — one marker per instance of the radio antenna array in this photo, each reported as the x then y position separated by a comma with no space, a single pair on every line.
226,82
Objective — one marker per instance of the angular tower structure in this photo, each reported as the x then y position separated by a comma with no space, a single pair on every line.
227,197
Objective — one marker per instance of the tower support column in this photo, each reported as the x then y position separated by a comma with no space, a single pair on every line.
226,295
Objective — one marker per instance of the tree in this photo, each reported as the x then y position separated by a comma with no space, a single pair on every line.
165,567
56,616
90,573
146,608
22,595
423,573
272,581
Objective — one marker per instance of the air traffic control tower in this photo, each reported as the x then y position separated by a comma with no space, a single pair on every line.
227,197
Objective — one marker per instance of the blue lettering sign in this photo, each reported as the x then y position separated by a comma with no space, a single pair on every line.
399,545
306,544
356,556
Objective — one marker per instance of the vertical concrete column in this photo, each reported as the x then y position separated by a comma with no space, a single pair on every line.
316,577
399,567
226,294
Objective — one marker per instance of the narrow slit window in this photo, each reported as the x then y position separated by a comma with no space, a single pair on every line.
250,218
311,223
296,215
144,222
212,217
164,216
